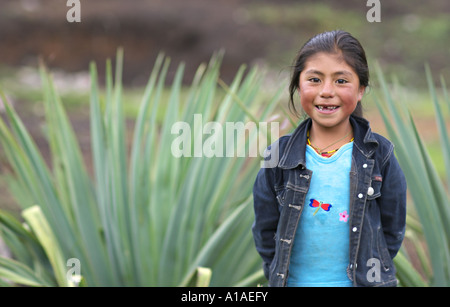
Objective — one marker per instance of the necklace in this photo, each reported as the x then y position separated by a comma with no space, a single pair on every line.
327,153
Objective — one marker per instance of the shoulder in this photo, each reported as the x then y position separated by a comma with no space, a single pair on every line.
383,142
369,143
281,143
385,148
275,151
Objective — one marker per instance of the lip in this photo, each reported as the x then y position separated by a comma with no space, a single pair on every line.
326,109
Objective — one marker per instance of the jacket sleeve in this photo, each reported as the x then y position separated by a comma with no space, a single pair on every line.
393,204
266,216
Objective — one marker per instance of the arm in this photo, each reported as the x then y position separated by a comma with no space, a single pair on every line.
266,216
393,204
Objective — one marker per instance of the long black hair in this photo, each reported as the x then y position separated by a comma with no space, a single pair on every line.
331,42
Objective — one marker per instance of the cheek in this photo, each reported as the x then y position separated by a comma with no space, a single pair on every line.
349,99
307,96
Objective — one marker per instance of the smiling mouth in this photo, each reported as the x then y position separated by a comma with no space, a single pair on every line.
327,108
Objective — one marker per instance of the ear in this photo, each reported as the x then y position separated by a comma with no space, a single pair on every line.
361,91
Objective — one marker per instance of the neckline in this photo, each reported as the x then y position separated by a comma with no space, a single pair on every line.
320,152
341,150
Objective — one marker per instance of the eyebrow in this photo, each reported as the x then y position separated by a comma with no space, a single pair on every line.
337,73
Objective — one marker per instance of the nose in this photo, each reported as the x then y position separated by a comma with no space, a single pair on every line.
327,90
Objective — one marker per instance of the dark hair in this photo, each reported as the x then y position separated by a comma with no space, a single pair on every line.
332,42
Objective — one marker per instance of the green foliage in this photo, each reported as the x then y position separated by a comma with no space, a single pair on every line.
145,217
428,192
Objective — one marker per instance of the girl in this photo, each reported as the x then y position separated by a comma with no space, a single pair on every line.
332,211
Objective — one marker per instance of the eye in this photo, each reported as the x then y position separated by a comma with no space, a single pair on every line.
341,81
314,80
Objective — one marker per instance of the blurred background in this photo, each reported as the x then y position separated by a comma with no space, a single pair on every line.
266,33
252,32
411,32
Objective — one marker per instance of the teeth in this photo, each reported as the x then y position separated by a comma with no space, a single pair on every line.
328,108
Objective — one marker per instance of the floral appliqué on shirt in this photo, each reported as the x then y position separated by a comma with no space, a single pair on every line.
343,216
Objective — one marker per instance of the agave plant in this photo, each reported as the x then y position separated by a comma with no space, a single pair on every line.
430,194
149,218
145,217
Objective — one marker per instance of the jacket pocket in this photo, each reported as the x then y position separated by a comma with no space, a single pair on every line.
374,190
383,252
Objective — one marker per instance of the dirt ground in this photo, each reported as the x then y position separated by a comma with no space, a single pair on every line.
188,31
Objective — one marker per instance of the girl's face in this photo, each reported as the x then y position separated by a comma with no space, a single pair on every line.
329,90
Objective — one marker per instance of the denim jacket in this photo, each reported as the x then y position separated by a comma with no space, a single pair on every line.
377,206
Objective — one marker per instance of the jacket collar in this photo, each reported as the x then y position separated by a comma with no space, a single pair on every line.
294,153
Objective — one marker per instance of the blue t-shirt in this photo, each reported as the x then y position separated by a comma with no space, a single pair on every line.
320,254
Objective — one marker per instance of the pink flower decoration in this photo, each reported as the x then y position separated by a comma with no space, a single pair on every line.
343,216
